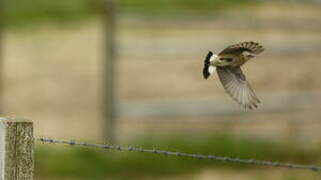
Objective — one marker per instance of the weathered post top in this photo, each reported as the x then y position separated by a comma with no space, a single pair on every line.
16,149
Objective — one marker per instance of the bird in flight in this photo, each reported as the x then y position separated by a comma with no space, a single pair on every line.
227,64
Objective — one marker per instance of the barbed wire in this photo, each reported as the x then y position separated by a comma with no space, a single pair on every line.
181,154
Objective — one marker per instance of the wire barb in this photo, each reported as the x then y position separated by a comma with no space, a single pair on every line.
180,154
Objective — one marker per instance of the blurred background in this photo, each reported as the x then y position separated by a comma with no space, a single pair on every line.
129,72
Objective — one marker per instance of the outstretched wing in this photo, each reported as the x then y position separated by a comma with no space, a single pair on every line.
235,84
237,49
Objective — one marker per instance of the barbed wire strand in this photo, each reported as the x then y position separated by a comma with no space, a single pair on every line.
181,154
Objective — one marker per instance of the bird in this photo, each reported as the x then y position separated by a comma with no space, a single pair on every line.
228,64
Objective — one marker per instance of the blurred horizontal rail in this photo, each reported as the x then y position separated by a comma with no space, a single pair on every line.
181,154
215,106
189,47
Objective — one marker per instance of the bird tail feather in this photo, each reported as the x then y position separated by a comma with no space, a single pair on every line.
208,69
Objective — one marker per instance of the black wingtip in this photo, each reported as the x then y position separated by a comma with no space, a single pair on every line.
206,74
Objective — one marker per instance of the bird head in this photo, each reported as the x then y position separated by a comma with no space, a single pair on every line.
222,61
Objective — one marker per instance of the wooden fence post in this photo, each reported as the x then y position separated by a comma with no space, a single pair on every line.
16,149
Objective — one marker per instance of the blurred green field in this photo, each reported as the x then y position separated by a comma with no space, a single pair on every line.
122,165
35,11
196,7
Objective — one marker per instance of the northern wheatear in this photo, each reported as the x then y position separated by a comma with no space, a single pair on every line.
227,64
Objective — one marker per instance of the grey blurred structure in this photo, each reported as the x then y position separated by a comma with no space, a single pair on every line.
276,103
1,52
109,112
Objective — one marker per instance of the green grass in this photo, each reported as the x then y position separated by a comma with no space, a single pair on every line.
94,163
30,12
177,7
